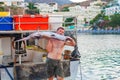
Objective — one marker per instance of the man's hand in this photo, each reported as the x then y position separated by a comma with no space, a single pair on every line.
69,38
70,41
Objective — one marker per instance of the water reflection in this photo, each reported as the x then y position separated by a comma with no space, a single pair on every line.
100,57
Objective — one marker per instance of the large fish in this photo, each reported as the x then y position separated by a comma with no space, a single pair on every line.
47,34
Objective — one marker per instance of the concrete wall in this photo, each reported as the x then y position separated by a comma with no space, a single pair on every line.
5,45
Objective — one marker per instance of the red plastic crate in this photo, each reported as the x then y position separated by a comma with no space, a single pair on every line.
30,22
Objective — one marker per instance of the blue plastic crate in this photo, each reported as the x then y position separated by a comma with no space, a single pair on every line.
6,23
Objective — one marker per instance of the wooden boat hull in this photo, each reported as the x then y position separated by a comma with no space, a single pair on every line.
36,71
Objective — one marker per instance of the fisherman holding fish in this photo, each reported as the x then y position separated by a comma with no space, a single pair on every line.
54,49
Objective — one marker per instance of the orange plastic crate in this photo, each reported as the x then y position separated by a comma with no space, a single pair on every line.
30,22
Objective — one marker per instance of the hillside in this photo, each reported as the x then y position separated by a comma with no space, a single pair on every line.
60,2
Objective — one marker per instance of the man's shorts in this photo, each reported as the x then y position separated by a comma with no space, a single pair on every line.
54,68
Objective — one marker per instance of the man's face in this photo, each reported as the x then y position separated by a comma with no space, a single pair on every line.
61,31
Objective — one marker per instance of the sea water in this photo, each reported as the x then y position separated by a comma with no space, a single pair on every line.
100,57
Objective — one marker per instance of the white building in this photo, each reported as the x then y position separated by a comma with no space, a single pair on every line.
75,8
112,10
43,7
13,2
87,13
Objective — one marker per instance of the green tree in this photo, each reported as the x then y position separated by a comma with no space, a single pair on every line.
32,9
1,7
31,6
115,20
69,21
56,10
65,9
1,3
96,19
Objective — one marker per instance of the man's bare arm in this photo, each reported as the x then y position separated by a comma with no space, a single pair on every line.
70,42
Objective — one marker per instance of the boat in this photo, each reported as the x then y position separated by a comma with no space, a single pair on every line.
32,65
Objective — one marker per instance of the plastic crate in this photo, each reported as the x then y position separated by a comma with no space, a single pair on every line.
30,22
6,23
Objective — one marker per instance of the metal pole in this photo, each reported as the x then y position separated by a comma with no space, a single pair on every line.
77,46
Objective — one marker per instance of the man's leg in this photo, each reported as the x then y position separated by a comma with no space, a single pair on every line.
59,71
50,69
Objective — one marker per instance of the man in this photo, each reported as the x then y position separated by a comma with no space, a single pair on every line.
55,48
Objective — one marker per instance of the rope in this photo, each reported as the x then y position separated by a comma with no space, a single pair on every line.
3,19
7,71
19,28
